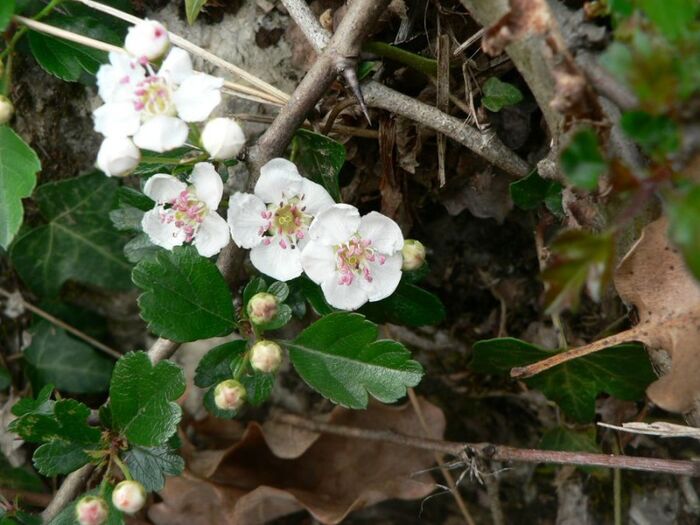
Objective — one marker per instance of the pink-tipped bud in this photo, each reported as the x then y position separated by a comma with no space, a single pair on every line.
147,39
413,255
229,395
223,138
6,110
266,356
129,496
91,510
262,308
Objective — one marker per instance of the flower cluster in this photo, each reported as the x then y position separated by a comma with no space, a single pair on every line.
151,109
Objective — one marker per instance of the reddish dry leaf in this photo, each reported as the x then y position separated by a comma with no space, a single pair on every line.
524,17
277,470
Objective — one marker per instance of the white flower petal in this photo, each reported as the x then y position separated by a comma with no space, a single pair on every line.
335,225
163,188
212,235
344,296
117,119
208,184
245,219
148,38
223,138
116,80
177,66
385,277
165,235
319,261
161,134
316,198
384,233
197,97
118,156
271,259
278,177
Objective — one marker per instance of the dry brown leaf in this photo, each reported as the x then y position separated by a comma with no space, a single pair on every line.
524,17
277,470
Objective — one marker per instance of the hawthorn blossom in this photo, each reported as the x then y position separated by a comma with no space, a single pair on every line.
129,496
223,138
354,259
274,222
118,156
187,213
154,108
148,39
91,510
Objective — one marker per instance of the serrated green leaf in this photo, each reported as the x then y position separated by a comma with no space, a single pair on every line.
67,515
319,159
192,9
582,162
530,192
215,366
622,371
142,399
71,365
409,305
499,94
7,9
185,297
78,243
139,248
66,421
339,357
657,135
564,439
41,405
59,457
127,196
258,387
18,168
149,466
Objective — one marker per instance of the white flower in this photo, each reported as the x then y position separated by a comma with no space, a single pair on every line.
129,496
118,156
91,510
6,110
187,213
154,108
266,356
354,259
147,39
223,138
274,222
229,395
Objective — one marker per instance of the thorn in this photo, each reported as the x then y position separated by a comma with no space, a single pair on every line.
348,71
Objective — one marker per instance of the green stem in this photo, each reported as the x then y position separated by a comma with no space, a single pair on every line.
125,470
427,66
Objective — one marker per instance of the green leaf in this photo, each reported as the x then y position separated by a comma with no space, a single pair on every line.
284,315
564,439
339,357
185,297
320,159
215,366
72,366
18,167
192,9
19,478
149,466
623,371
59,457
499,94
7,9
129,197
684,226
67,515
256,285
578,259
409,305
314,295
530,192
672,17
139,248
67,421
142,399
78,242
657,135
427,66
582,161
258,387
127,218
279,290
5,378
41,405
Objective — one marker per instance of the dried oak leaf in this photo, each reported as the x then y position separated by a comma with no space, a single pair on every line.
654,278
524,17
276,470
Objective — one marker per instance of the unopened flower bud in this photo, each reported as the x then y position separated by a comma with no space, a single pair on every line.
262,308
129,496
6,110
229,395
413,255
118,156
266,356
147,39
223,138
91,510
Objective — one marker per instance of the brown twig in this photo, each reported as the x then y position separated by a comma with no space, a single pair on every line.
488,451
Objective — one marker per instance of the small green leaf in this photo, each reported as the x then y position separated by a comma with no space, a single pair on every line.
185,297
5,378
215,366
129,197
59,457
192,9
18,167
139,248
78,243
409,305
127,218
339,357
623,371
530,192
320,159
314,295
72,366
499,94
41,405
19,478
67,420
564,439
672,17
7,9
684,226
142,399
258,387
149,466
657,135
279,290
256,285
582,161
